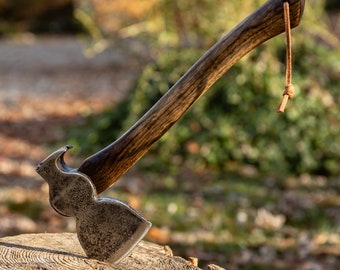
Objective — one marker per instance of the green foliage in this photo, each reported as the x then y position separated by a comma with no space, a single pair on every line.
29,208
236,122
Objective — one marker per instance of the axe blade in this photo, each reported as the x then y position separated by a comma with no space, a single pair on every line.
111,230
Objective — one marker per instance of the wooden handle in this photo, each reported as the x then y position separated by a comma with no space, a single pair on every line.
106,166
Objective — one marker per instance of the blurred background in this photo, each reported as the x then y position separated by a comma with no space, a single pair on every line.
233,182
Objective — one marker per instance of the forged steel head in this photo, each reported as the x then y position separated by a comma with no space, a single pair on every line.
107,228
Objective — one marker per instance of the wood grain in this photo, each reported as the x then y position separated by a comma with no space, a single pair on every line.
62,251
105,167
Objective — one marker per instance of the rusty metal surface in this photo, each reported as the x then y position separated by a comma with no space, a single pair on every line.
107,228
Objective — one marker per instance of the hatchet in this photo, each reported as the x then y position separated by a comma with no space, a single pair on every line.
107,228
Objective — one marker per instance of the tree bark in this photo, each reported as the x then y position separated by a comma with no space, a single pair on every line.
62,251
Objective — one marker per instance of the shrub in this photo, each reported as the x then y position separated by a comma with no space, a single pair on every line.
236,122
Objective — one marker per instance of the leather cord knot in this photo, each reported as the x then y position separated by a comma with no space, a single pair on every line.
289,91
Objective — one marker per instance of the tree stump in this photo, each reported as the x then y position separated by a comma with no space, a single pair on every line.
62,251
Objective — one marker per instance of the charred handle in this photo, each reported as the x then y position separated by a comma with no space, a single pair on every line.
105,167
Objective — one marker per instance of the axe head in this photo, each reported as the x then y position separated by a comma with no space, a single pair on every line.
107,228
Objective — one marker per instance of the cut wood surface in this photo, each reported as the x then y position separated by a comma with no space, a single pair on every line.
63,251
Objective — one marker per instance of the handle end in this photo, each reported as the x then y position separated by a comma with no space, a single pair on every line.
296,11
